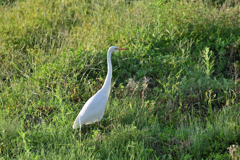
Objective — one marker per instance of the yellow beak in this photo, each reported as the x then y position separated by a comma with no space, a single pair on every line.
122,48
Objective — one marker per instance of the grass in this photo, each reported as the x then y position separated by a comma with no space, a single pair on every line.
175,92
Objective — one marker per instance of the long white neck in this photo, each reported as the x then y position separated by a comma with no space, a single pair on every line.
107,83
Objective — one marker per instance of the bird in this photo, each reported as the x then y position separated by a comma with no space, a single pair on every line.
94,108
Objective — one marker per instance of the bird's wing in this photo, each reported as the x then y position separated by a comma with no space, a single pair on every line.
93,109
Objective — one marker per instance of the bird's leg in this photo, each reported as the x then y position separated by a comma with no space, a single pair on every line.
80,130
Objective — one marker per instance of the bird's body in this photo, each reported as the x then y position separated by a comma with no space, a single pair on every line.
94,108
92,111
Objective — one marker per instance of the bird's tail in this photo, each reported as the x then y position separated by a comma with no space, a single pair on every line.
76,123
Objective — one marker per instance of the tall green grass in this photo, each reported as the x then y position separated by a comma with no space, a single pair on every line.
175,93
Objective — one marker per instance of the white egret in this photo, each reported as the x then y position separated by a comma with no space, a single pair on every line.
94,108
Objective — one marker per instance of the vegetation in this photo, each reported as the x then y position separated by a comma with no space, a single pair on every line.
175,92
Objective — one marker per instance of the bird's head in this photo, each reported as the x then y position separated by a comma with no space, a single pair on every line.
114,48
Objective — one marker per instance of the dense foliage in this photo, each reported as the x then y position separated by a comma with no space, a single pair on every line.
175,92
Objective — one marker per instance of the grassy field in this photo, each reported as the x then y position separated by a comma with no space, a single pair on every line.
175,92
